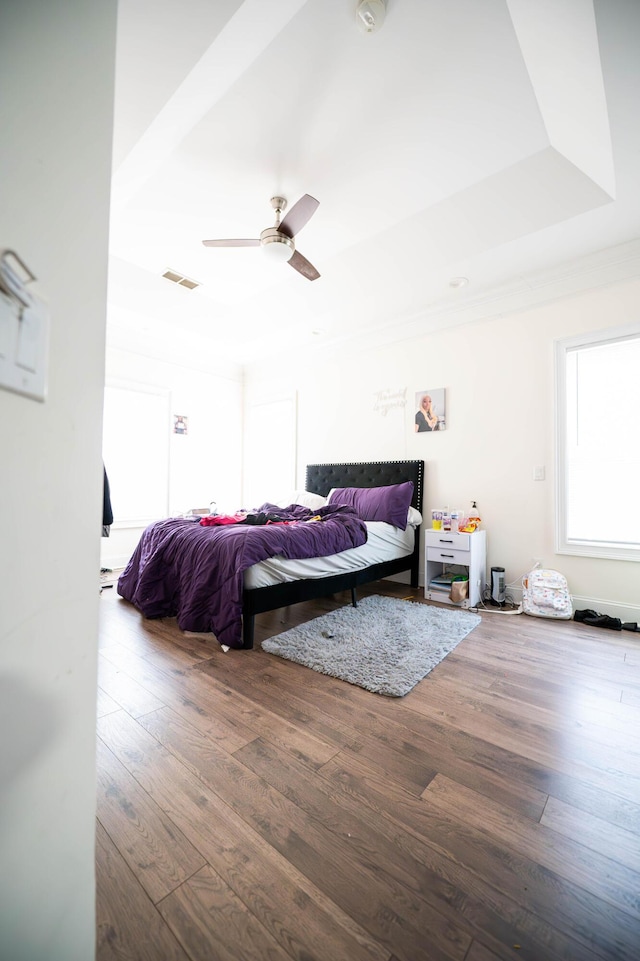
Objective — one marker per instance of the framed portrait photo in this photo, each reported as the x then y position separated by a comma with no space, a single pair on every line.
180,424
430,411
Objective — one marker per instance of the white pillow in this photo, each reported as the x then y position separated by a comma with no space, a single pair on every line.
414,517
304,498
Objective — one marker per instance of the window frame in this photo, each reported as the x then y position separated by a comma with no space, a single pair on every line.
609,550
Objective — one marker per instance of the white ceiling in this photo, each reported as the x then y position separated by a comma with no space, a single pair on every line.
492,139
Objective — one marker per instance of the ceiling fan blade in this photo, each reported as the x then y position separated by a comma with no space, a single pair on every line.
231,243
299,214
302,265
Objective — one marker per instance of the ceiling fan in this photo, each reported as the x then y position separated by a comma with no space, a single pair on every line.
278,241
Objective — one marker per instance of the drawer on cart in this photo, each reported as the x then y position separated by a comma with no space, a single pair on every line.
447,556
450,541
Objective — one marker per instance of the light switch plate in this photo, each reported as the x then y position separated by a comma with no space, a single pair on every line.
24,347
9,312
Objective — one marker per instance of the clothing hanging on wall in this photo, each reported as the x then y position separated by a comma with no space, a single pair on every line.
107,511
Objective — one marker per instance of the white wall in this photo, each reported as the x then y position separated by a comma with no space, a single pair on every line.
499,380
205,464
56,76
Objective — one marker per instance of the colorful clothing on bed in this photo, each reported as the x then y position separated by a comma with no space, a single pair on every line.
257,519
219,520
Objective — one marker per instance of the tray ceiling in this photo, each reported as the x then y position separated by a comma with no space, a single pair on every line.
495,140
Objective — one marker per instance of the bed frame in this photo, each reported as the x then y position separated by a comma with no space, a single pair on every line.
320,479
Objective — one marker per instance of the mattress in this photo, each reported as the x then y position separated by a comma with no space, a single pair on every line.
384,543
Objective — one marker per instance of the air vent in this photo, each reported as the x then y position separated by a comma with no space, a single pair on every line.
180,280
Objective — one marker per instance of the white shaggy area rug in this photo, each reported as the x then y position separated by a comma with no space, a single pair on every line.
385,644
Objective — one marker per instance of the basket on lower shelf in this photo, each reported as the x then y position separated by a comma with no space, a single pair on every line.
454,587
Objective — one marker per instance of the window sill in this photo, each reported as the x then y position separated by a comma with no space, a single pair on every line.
609,552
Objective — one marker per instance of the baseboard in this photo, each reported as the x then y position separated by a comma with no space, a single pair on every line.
626,612
114,561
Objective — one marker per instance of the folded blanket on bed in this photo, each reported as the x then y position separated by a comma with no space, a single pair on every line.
195,573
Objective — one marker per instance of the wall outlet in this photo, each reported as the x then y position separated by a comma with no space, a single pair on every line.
537,561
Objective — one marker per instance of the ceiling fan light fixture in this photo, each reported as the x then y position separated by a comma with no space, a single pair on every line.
277,247
370,15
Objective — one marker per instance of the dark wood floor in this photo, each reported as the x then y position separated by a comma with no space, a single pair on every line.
250,809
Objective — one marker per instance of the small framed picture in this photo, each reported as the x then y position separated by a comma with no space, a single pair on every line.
179,424
430,410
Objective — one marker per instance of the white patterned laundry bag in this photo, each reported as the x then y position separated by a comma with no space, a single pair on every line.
545,593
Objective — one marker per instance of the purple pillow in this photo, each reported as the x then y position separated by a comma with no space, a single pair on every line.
389,504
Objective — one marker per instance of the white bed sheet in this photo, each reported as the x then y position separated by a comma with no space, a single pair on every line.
384,543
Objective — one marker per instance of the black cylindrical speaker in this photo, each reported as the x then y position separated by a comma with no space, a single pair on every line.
497,585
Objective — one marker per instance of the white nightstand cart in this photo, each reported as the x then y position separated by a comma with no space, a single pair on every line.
444,549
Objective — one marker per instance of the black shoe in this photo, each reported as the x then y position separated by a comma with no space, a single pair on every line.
631,626
603,620
583,615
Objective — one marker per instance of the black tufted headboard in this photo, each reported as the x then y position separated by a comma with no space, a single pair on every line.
322,477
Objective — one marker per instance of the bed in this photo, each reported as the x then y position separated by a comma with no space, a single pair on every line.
321,479
177,567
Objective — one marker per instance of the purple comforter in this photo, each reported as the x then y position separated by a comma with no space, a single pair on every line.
195,573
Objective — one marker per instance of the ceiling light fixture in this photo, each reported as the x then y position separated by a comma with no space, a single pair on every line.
458,281
370,15
277,246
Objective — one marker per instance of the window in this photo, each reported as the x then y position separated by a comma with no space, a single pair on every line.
135,448
598,444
